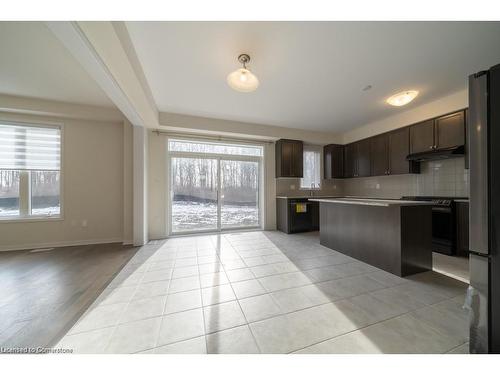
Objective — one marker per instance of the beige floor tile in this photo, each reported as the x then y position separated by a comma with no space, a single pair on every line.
217,294
259,307
237,340
248,288
183,301
223,316
135,336
191,346
181,326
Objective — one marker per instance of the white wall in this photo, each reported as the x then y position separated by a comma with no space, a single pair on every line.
92,188
158,179
447,104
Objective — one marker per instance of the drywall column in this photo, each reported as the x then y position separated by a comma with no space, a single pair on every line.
128,180
269,192
140,152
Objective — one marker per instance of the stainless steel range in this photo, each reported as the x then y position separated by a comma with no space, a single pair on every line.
443,223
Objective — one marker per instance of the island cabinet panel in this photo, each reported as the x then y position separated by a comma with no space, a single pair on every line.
379,155
399,148
289,158
422,137
363,158
450,130
350,160
333,161
397,239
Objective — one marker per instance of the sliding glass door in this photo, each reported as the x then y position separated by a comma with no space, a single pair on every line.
239,193
213,186
194,184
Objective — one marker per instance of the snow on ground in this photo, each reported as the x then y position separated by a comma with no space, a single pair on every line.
44,211
191,216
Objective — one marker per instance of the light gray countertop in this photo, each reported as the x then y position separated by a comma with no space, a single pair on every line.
310,197
373,202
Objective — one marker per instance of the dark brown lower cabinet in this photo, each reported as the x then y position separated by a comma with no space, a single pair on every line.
462,228
288,220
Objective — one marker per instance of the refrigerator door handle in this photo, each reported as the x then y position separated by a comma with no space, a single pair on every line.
478,163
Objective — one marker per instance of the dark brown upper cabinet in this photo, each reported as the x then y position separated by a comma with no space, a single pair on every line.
333,161
380,154
289,158
350,160
389,151
422,137
437,134
399,148
450,131
357,159
363,158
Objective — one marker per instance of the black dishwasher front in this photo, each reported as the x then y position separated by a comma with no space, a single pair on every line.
300,214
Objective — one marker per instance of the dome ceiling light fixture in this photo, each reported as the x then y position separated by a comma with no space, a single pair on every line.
402,98
243,80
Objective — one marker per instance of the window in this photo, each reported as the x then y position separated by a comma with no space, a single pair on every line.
30,175
312,168
214,148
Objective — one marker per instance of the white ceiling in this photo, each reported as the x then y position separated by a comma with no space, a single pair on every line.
311,73
33,63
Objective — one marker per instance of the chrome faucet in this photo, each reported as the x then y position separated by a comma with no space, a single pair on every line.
311,192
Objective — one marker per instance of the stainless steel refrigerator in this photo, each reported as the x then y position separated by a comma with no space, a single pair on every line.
484,212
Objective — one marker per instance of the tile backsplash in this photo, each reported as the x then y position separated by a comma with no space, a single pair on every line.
290,187
446,177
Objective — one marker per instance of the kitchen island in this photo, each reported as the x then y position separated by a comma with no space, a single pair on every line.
393,235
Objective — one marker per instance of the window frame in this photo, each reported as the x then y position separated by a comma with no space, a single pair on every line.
40,218
188,154
318,149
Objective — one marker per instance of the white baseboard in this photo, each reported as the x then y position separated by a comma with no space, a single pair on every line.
60,244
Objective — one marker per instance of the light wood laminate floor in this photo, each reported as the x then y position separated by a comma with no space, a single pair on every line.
44,293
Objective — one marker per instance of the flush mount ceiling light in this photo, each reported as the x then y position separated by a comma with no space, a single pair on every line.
402,98
243,80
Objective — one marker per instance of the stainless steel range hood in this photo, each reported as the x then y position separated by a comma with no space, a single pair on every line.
445,153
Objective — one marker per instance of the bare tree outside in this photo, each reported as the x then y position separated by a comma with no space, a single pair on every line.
195,181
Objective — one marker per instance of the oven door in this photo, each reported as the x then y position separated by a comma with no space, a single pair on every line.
442,230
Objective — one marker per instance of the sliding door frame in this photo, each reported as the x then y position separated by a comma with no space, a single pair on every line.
218,157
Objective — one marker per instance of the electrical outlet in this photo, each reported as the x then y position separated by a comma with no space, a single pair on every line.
377,186
84,223
292,187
